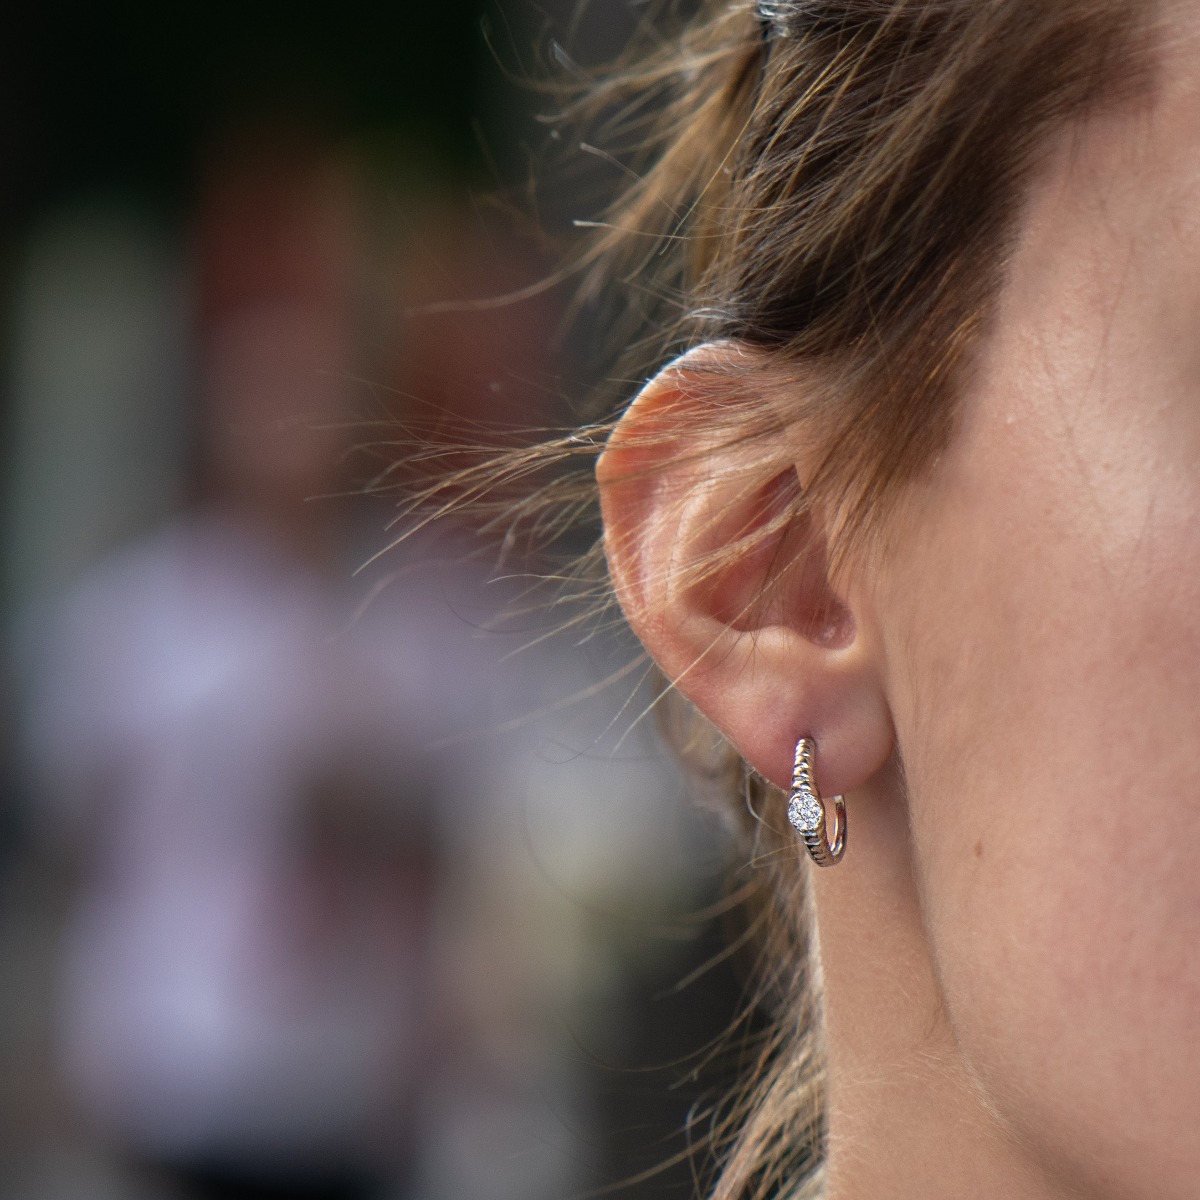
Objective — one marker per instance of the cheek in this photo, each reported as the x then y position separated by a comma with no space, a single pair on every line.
1050,721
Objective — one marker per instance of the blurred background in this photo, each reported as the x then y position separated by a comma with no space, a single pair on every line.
329,867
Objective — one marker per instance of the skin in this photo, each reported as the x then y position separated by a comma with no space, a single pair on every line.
1009,948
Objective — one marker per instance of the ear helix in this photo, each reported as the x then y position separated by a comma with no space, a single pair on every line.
807,812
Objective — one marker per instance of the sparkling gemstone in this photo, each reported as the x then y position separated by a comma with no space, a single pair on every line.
804,812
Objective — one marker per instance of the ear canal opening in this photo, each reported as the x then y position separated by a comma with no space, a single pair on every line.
768,564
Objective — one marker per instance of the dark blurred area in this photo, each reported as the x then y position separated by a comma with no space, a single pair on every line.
332,864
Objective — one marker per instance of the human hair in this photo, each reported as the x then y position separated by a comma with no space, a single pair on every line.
834,184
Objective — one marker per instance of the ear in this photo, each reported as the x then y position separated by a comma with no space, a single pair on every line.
725,578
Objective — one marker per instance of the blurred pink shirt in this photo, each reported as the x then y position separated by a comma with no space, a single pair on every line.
198,688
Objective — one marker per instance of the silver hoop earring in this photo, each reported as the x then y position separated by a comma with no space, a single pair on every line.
806,811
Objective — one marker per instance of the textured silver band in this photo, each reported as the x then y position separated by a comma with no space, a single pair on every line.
807,812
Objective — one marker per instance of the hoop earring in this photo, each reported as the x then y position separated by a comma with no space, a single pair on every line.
806,811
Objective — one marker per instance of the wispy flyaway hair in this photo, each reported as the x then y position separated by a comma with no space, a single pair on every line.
833,183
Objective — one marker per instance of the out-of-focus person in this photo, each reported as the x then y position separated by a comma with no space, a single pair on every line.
346,853
241,1009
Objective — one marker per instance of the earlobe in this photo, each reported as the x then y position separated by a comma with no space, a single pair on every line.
725,577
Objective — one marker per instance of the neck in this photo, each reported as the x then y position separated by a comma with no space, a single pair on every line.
906,1120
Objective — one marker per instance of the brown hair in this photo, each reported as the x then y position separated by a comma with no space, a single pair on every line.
833,182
